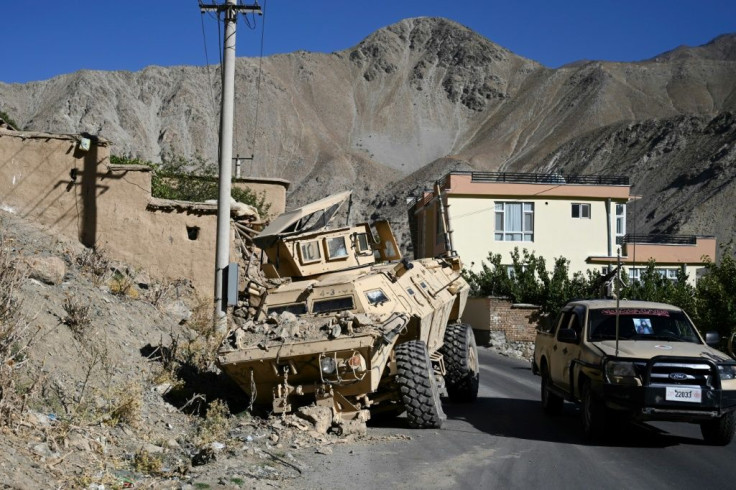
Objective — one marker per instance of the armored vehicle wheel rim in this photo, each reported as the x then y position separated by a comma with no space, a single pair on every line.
473,360
418,386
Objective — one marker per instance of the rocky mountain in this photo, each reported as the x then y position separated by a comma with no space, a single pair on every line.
389,115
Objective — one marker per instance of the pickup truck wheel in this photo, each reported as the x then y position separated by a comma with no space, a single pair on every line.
593,415
418,386
551,402
461,361
719,432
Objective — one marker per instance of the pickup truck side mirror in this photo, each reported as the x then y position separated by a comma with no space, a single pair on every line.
568,336
712,338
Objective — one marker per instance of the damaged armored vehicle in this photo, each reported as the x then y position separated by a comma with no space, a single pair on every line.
345,322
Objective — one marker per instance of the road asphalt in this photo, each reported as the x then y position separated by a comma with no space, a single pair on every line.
504,440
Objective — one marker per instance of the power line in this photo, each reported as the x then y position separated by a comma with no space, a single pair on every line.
207,59
258,81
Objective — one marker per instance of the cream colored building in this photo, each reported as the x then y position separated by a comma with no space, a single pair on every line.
581,218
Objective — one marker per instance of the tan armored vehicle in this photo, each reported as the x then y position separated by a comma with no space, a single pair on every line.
348,324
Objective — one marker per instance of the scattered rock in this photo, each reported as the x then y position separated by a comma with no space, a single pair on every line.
49,270
320,417
356,427
153,449
204,456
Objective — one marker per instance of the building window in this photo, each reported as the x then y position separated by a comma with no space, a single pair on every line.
670,274
515,221
581,211
620,219
635,274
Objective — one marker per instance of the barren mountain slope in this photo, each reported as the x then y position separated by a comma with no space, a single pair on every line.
364,118
684,169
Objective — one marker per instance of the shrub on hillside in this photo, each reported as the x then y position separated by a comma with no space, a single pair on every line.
179,179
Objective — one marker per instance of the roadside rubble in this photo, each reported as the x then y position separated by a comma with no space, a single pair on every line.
111,410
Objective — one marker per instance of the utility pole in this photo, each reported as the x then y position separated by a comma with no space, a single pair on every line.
222,258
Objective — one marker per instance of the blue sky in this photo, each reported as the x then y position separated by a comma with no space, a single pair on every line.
45,38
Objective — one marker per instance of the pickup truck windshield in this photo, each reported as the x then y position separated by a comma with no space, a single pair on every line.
641,324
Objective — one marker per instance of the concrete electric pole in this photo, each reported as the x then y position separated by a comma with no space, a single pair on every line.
222,258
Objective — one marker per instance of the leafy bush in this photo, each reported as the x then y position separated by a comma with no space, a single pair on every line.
653,286
179,179
712,304
4,116
528,281
715,296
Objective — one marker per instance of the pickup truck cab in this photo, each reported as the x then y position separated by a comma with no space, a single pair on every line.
641,359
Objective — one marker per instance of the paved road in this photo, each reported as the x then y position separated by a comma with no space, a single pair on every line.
505,441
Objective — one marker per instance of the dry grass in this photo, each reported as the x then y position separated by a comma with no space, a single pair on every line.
77,316
162,291
16,336
94,261
122,284
216,424
149,464
125,405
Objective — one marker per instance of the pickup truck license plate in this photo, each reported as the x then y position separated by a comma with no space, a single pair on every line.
677,394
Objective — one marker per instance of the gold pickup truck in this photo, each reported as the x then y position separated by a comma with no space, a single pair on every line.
640,359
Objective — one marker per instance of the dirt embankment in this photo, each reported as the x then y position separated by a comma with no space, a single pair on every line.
108,379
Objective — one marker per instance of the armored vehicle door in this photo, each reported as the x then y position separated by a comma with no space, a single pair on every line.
387,247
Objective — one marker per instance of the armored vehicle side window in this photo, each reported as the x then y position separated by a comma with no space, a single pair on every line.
310,252
333,304
336,248
376,296
361,243
296,308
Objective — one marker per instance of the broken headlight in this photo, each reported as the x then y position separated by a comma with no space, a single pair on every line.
328,365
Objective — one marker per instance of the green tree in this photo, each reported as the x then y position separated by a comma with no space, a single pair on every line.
715,300
653,286
531,282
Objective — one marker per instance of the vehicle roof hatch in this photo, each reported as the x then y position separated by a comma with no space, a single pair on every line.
308,218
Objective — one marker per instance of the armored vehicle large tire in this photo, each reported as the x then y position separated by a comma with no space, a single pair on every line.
461,361
418,386
720,431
